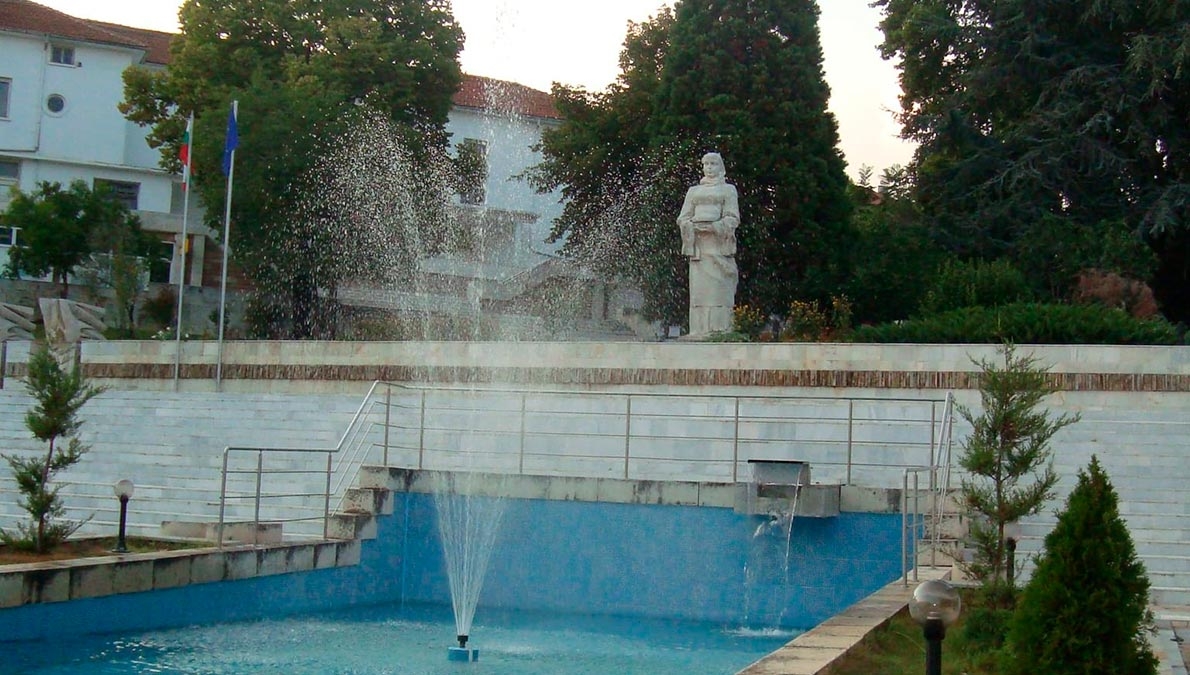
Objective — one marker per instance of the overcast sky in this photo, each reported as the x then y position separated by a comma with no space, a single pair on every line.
538,42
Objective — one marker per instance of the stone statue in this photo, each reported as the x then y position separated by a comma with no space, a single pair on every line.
66,323
708,222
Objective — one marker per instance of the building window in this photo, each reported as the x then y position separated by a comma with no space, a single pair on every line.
55,104
160,260
5,87
62,55
471,169
10,177
124,192
8,236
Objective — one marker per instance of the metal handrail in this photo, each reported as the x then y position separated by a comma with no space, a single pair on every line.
408,423
632,437
912,520
942,460
259,495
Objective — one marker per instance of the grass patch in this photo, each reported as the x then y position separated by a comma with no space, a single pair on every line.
898,648
94,547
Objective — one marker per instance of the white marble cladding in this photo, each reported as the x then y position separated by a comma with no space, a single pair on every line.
665,355
169,443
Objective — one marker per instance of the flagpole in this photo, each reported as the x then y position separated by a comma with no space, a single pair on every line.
232,142
185,245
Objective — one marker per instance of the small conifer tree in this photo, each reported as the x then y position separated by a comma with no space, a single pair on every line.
59,395
1085,610
1007,459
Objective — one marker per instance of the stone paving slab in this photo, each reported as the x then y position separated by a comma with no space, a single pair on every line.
815,650
61,581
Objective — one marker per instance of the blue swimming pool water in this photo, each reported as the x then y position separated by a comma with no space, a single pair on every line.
412,640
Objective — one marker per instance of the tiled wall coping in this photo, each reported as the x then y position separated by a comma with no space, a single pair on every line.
75,579
321,366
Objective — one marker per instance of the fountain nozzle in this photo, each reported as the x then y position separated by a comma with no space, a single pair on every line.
462,641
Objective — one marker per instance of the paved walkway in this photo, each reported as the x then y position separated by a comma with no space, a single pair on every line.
814,651
1172,642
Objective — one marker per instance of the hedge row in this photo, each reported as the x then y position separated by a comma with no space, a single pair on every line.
1026,323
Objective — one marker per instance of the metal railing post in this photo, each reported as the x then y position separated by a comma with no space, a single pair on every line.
905,528
918,517
850,428
222,498
421,436
735,444
259,480
388,407
326,508
934,450
521,465
627,432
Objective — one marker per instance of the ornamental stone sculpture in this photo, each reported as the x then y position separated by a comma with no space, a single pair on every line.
708,221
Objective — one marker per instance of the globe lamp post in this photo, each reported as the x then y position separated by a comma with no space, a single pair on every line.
935,605
123,490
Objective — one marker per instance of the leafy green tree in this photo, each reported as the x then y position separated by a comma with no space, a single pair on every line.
62,227
1028,114
1007,458
956,284
896,256
120,263
615,216
1085,609
301,71
59,396
744,79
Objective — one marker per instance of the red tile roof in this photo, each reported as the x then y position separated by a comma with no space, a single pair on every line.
30,17
483,93
502,96
155,42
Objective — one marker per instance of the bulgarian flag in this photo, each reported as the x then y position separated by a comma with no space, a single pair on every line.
184,152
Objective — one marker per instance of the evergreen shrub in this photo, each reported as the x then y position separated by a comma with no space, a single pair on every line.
959,284
1026,323
1085,610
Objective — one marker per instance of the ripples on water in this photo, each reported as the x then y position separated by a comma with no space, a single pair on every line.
387,640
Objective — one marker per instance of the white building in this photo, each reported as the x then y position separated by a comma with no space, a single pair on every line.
61,83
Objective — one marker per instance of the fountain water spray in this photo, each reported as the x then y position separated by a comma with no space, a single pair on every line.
468,524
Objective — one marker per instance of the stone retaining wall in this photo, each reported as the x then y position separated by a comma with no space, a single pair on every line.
336,366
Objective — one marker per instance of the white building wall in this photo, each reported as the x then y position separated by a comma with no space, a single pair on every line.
510,142
89,138
23,62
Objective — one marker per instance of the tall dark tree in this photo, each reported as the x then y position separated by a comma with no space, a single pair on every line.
1033,113
741,78
299,70
746,79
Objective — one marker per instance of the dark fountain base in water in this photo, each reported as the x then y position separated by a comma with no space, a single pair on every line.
462,654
